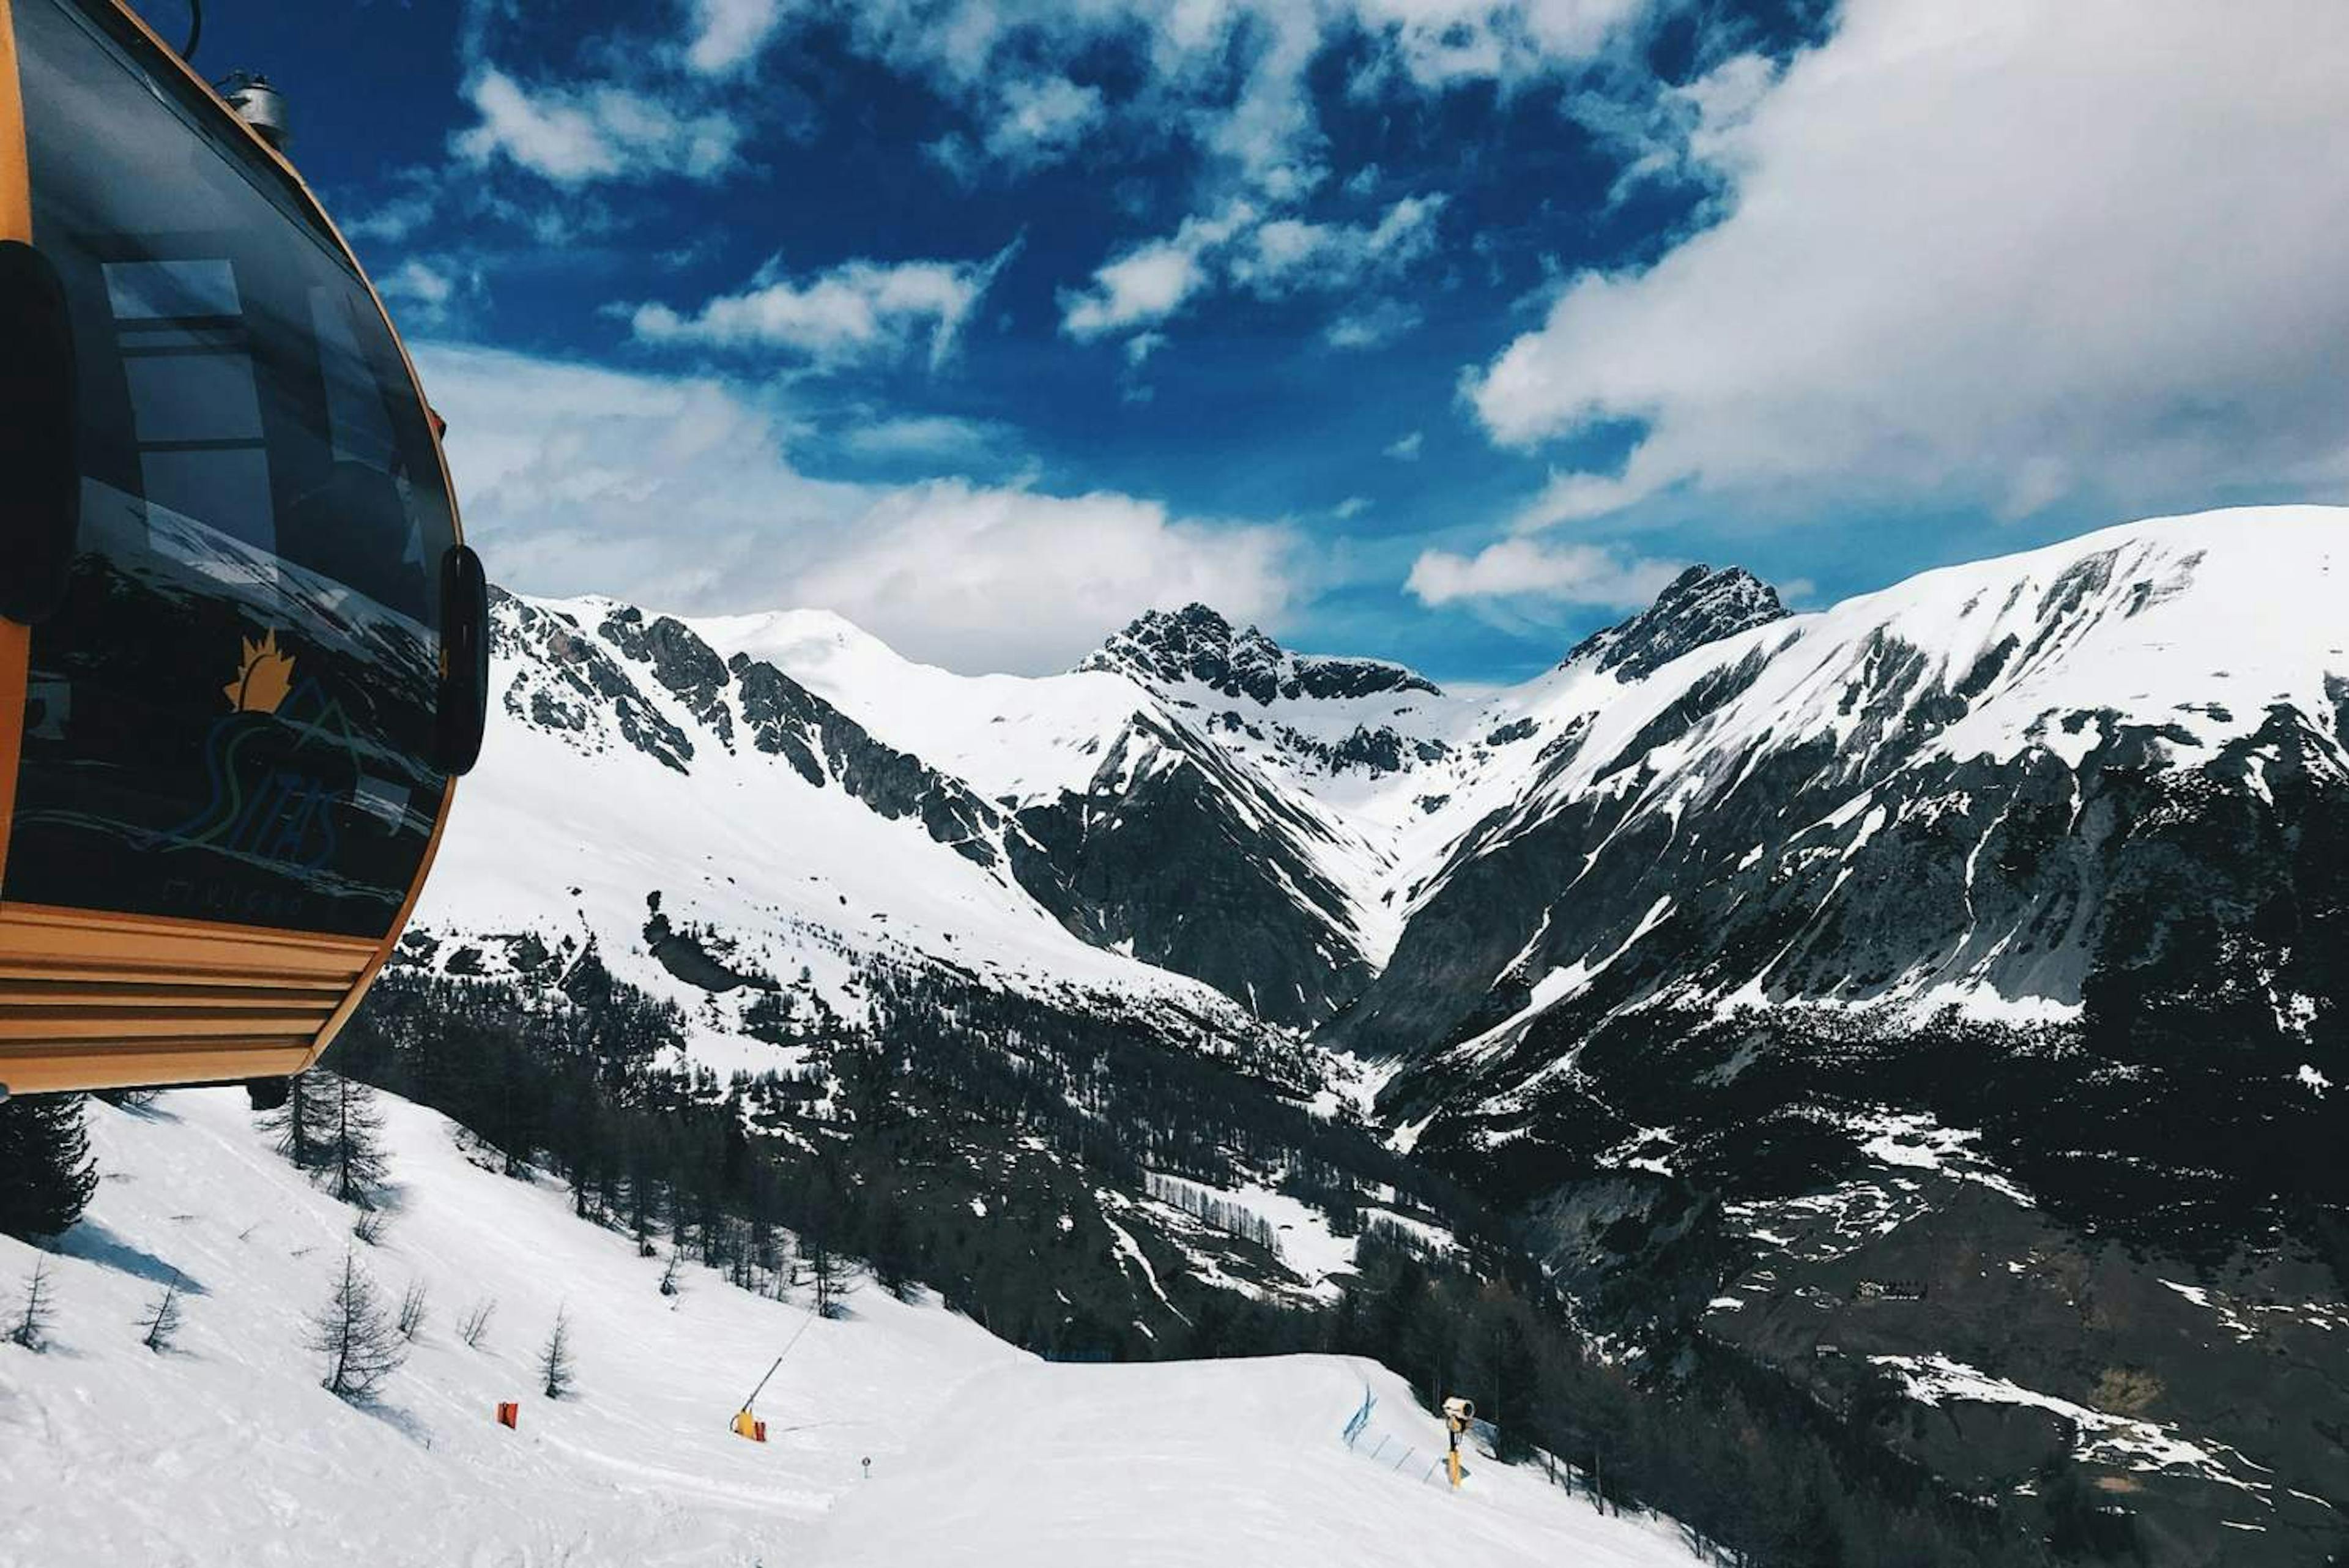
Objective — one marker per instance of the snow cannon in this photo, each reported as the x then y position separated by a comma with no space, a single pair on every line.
1457,1415
242,645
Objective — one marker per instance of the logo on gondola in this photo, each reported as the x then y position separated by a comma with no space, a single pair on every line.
277,764
264,678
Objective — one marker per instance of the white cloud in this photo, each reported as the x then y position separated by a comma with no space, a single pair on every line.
1405,449
433,294
926,436
857,311
2003,253
1373,326
728,34
677,493
1040,119
1287,254
1437,43
1269,256
1152,280
1534,570
1032,121
576,135
1232,78
1012,579
418,282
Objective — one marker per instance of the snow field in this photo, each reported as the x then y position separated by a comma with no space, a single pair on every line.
225,1450
228,1452
1234,1464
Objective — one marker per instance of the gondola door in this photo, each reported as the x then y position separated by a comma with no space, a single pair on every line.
231,767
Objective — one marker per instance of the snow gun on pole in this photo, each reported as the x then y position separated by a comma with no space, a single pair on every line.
745,1423
1458,1413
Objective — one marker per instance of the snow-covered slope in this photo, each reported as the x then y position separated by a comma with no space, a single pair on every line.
720,835
1165,1465
1913,799
1187,763
226,1449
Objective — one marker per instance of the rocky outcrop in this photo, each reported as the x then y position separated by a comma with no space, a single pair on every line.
1702,605
1195,643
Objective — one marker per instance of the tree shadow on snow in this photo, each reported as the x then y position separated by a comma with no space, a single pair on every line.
153,1110
92,1242
407,1423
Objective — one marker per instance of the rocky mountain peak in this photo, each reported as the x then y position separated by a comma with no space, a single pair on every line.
1698,607
1197,644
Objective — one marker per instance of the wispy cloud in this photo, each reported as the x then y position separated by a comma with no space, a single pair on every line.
728,34
1519,571
1032,121
1151,282
1242,247
1373,326
927,438
576,134
856,312
1288,255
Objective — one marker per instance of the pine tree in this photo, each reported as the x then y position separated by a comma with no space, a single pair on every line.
413,1310
303,1122
361,1346
161,1326
31,1328
643,1209
47,1174
474,1326
828,1273
353,1157
555,1364
894,1257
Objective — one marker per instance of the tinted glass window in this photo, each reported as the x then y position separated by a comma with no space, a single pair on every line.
232,717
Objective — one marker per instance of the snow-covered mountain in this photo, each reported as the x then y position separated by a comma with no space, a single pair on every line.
723,837
1751,959
1949,796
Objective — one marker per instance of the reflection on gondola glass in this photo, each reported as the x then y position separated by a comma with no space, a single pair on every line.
231,718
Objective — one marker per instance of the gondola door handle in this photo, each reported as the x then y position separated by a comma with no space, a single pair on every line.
40,474
464,707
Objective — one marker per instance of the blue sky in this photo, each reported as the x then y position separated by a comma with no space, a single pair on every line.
1438,329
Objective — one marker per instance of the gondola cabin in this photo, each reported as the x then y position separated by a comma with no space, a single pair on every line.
242,651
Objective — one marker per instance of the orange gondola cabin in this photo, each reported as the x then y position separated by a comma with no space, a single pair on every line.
241,645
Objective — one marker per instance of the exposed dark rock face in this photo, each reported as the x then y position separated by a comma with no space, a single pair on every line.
689,957
820,742
1194,643
1376,752
568,682
1700,606
680,662
1178,852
